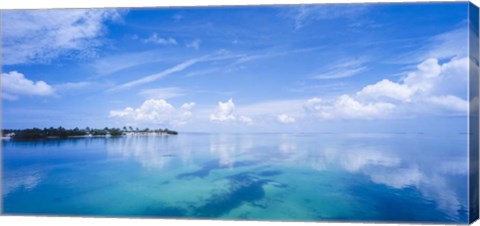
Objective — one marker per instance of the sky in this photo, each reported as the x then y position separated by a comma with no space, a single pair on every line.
397,68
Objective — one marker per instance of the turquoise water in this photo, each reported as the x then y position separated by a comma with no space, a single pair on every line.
292,177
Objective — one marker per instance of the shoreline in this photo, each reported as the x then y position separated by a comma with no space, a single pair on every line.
91,136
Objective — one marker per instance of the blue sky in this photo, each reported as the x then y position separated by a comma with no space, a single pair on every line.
316,68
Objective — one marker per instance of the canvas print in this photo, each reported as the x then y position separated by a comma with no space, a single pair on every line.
323,112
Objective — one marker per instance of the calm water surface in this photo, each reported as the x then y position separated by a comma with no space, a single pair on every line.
312,177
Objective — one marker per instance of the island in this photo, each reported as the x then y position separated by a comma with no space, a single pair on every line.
60,132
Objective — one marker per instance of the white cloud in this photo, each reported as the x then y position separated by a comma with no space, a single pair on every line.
443,46
346,107
195,44
15,84
224,112
118,62
184,114
296,110
219,55
260,114
285,119
388,89
431,83
155,39
306,14
454,78
162,93
423,79
313,104
188,106
449,44
340,73
245,119
38,36
156,112
292,108
343,69
449,102
431,89
154,77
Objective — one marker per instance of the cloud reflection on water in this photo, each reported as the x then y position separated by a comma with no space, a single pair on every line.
149,151
26,179
224,147
430,174
395,167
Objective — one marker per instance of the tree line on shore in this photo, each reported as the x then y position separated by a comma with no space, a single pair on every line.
60,132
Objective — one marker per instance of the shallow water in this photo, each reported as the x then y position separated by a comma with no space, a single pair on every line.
299,177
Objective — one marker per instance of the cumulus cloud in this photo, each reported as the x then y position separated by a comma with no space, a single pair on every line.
156,39
387,89
292,108
432,83
449,102
157,112
188,106
420,81
38,36
285,119
224,112
245,119
15,84
431,88
346,107
423,79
